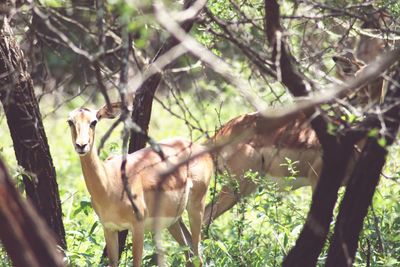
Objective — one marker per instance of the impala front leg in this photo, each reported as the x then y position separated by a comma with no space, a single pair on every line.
112,246
137,244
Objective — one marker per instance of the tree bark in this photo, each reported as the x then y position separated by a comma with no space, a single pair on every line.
362,185
143,101
27,132
25,236
336,154
314,233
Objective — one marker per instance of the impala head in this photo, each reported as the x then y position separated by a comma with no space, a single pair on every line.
82,122
347,65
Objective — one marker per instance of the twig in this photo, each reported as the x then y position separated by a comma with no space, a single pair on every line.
191,12
262,64
100,82
291,78
217,64
124,116
368,263
378,231
108,133
100,24
61,35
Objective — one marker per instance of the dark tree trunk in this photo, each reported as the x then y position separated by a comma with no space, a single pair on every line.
354,207
26,128
312,238
144,97
336,156
362,185
27,239
316,228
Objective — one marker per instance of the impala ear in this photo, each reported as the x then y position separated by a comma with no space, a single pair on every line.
345,65
109,112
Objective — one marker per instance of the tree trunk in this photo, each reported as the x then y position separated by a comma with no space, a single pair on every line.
336,156
27,239
312,238
144,97
362,185
26,128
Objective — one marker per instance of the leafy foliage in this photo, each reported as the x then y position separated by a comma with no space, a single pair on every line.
257,232
262,228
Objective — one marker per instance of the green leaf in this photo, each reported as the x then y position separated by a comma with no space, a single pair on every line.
331,128
94,226
222,247
382,141
373,132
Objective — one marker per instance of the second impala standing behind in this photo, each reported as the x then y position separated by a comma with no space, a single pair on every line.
267,152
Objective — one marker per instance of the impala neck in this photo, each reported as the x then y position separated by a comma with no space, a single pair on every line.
95,174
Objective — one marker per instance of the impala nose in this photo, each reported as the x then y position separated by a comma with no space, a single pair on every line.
81,147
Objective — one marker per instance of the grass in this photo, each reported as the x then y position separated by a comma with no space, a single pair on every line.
257,232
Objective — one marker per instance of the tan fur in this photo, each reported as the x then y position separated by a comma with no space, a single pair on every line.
347,65
267,152
162,199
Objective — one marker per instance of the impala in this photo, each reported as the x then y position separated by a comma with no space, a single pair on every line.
267,153
185,188
347,66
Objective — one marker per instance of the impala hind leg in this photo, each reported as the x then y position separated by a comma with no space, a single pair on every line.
177,233
236,167
112,246
227,198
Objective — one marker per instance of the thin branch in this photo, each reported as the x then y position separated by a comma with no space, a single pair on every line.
262,64
100,24
61,35
202,53
191,12
100,82
124,117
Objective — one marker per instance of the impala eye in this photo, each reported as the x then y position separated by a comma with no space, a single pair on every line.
93,124
347,70
70,123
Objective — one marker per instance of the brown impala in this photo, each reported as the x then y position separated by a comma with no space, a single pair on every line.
185,188
266,153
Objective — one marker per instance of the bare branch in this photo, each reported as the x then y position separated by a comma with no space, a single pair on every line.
217,64
61,35
100,82
191,12
370,73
